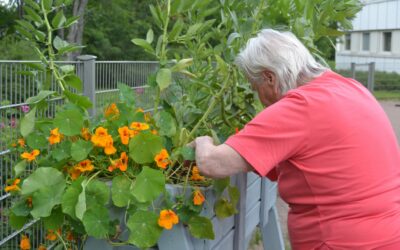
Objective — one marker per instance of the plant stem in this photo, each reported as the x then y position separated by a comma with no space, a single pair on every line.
186,179
163,54
49,44
61,239
208,111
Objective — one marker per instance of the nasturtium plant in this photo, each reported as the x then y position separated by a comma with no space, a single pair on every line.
74,167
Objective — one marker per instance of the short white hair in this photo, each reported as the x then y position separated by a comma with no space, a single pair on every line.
281,53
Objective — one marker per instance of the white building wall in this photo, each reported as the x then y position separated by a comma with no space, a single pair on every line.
376,17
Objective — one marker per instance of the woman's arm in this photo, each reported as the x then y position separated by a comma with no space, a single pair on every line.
218,161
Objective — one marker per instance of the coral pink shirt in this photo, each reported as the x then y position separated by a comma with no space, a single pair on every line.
337,164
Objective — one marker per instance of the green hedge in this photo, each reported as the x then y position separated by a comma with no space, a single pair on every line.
383,80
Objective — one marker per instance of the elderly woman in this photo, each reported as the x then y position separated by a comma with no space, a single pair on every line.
327,142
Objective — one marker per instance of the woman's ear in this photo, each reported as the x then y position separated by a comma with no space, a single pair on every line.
269,77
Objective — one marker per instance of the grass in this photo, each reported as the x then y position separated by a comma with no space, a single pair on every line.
384,95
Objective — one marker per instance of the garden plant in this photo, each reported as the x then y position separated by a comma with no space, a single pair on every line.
74,167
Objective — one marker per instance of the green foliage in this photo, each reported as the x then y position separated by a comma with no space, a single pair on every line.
144,229
144,147
149,185
201,227
110,26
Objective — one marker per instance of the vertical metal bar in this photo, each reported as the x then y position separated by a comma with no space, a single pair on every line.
371,76
89,79
353,70
240,218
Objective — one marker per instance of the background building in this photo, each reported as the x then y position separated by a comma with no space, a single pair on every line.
375,37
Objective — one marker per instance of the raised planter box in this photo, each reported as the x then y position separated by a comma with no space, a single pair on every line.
258,200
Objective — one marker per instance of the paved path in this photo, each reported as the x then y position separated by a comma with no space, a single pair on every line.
392,109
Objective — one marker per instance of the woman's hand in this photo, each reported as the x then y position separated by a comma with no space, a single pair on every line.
217,161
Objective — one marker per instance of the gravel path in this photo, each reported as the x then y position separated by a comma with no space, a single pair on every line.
392,109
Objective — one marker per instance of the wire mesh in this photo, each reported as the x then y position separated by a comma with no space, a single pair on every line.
18,82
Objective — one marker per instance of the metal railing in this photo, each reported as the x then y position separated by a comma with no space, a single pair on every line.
19,81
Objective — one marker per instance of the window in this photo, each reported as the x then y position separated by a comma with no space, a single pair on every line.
387,41
365,41
347,41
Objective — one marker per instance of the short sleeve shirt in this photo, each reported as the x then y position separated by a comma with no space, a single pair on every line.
337,163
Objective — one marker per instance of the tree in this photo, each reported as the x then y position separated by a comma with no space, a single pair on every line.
75,32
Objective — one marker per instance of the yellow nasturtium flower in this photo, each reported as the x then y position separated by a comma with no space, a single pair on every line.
167,219
55,136
198,198
30,156
139,126
25,244
111,110
162,159
100,137
13,187
196,175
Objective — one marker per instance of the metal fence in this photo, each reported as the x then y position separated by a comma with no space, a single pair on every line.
19,81
370,76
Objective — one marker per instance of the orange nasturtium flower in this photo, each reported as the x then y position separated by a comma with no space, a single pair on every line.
198,198
51,235
125,133
154,132
85,134
30,156
42,247
121,163
140,110
74,172
100,137
25,244
111,110
167,219
109,149
21,142
196,175
139,126
13,187
162,159
55,136
84,166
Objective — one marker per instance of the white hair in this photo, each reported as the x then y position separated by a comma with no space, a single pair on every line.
281,53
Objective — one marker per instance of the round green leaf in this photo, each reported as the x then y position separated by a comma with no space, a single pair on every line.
62,152
42,178
28,123
97,193
223,208
55,220
145,231
150,183
201,227
81,149
69,122
70,197
46,185
17,222
144,147
20,208
45,199
20,168
37,141
166,123
121,190
164,78
96,222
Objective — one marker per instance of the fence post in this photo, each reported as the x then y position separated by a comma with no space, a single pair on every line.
371,76
89,79
240,218
353,70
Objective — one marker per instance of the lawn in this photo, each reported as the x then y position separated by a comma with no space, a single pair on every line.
387,95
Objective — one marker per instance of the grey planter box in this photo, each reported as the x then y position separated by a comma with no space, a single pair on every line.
257,209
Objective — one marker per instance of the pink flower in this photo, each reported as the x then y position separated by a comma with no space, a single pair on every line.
139,91
25,108
13,122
